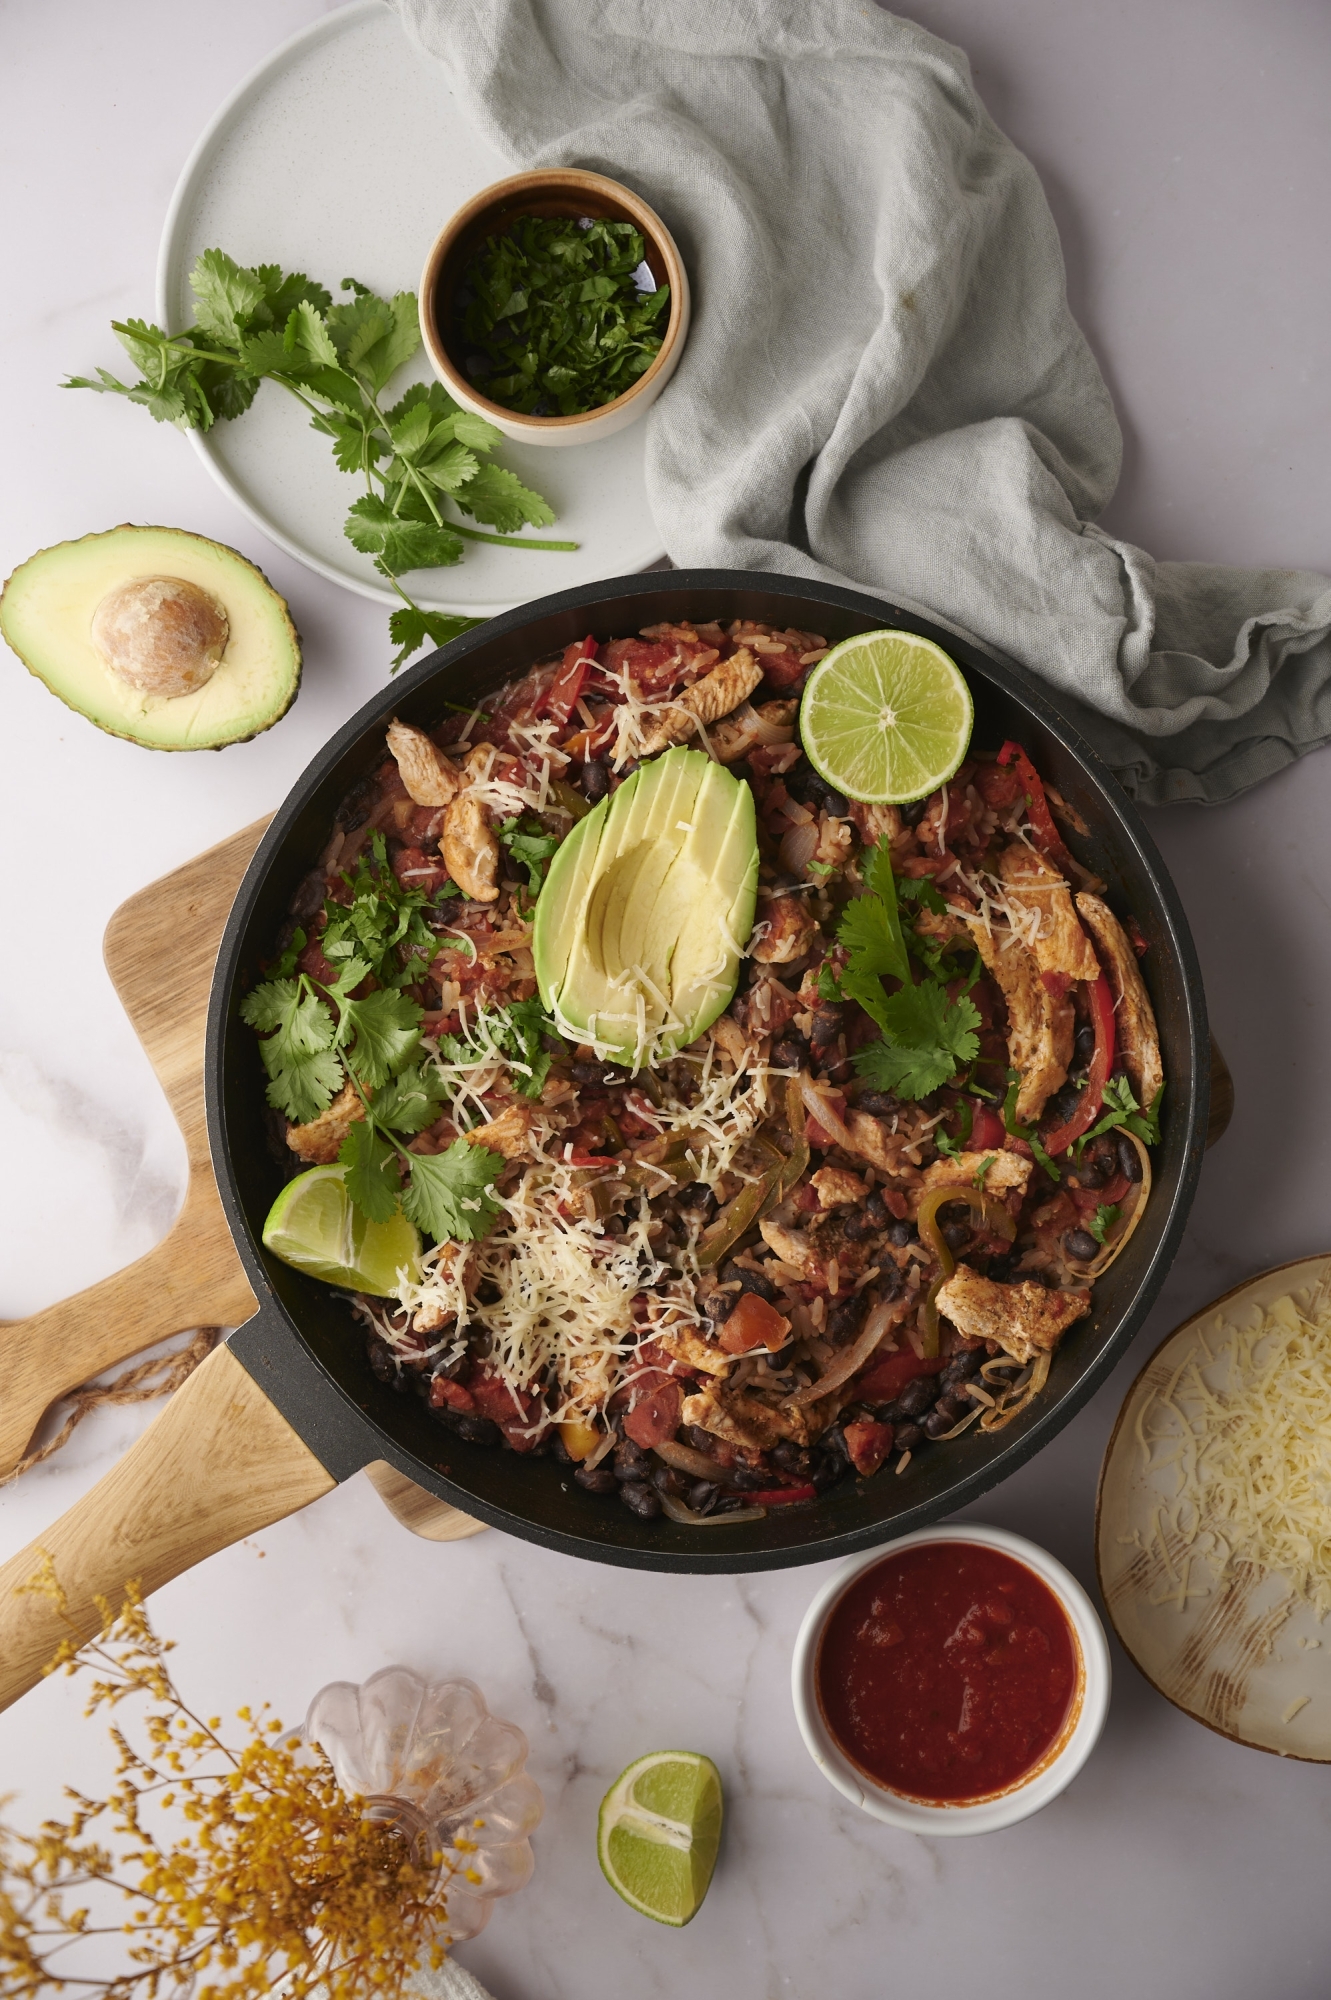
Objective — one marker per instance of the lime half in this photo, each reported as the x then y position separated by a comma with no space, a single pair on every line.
886,717
659,1831
314,1227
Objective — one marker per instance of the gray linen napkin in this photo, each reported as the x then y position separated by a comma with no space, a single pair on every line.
883,385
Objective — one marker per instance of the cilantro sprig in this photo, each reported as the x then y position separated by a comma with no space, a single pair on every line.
926,1037
1027,1132
530,845
1106,1215
518,1033
417,457
1122,1109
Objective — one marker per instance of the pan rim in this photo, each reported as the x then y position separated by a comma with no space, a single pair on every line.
350,1435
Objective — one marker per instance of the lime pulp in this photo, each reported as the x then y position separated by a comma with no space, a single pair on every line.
659,1831
886,717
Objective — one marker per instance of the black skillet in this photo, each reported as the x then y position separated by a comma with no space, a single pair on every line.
303,1351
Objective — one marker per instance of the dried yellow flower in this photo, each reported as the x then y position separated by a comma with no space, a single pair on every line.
276,1874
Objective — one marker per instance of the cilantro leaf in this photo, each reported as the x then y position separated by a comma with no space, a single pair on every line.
409,629
1122,1109
379,1033
307,338
398,543
225,296
926,1039
298,1052
448,1194
920,889
518,1033
1106,1215
372,1171
410,1101
530,845
870,931
499,498
947,1147
981,1173
1026,1132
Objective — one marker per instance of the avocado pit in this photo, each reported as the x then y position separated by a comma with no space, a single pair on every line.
161,634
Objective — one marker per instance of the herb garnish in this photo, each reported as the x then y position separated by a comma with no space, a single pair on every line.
266,324
530,845
552,320
926,1037
1122,1109
1104,1219
517,1033
1026,1132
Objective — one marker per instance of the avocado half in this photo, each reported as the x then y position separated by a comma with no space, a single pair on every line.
650,899
46,613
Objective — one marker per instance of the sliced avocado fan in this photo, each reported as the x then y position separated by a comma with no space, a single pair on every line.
647,910
157,635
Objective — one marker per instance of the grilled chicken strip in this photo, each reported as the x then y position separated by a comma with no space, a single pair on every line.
1024,1319
1062,944
1134,1016
1040,1026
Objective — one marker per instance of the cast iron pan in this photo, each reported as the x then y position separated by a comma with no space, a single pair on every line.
306,1355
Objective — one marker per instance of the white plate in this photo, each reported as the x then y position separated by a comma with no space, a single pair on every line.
343,156
1241,1656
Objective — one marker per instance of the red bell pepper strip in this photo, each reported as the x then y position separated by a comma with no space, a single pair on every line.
780,1496
1097,1076
562,695
1047,836
987,1134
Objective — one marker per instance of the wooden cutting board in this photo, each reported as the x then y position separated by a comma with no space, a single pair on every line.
160,950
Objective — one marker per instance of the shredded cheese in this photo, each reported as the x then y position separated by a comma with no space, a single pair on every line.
1245,1425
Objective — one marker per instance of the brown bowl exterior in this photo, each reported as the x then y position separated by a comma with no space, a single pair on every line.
552,191
304,1346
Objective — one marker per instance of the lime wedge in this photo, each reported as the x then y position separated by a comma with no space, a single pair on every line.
314,1227
886,717
659,1831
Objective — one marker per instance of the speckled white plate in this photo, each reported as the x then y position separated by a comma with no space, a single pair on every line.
344,155
1240,1657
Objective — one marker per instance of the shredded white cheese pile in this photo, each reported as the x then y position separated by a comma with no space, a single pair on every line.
1246,1423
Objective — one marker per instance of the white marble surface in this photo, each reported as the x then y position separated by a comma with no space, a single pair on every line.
1188,156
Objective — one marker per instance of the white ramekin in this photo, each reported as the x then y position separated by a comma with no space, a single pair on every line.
1029,1794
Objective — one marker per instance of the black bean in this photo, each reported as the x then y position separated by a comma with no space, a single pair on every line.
1080,1243
843,1322
952,1407
1093,1171
703,1496
913,813
355,807
666,1480
1129,1159
804,784
1002,1270
834,1441
857,1226
877,1210
878,1103
595,780
596,1478
791,1457
640,1500
695,1435
907,1437
1083,1046
937,1422
698,1197
967,1361
956,1235
475,1430
630,1462
828,1468
309,898
902,1233
791,1052
826,1027
382,1362
749,1281
586,1072
1062,1104
917,1395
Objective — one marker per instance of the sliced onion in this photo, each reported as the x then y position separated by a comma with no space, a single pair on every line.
798,848
688,1519
818,1106
683,1458
851,1359
768,730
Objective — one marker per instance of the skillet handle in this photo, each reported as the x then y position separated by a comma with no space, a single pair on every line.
218,1464
1222,1096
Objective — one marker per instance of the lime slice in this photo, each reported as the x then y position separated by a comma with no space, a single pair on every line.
658,1833
314,1227
886,717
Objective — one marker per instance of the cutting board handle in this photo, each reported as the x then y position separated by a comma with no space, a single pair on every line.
218,1464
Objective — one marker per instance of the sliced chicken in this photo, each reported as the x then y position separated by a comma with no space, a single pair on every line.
1024,1319
1062,945
470,849
320,1141
715,695
506,1134
430,778
1005,1171
1040,1025
745,1420
790,933
1134,1016
836,1185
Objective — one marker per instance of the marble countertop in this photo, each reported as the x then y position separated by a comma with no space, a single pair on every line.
1188,157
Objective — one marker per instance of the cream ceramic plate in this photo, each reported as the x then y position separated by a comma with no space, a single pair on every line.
343,156
1239,1658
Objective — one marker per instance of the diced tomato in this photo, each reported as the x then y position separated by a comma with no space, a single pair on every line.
446,1395
780,1496
987,1133
868,1443
895,1202
655,1418
782,670
417,870
806,1201
888,1377
651,1354
653,668
494,1399
998,785
753,1323
561,697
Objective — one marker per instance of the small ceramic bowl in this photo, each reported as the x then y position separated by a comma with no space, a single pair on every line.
1060,1765
551,191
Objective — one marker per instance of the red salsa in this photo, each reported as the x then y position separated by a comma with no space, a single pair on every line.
947,1671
